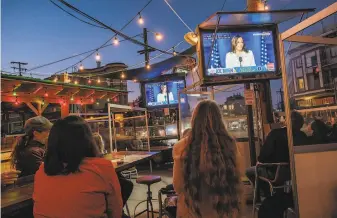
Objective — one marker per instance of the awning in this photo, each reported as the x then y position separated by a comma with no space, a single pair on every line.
240,18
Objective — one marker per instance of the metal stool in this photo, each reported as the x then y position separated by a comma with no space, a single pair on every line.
147,180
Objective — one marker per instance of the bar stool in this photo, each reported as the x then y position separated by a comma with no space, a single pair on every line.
147,180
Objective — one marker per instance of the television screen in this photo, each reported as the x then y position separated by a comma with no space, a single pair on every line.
241,53
163,93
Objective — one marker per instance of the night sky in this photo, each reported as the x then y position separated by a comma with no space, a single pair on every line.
37,32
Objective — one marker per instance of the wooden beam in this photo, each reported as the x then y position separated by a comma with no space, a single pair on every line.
313,39
32,108
38,89
326,12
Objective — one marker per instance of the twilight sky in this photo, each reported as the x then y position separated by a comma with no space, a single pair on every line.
37,32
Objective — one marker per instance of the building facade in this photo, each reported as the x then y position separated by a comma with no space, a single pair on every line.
312,70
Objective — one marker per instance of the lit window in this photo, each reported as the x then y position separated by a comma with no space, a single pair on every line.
300,83
225,107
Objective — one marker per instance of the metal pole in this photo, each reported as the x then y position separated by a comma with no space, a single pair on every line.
114,126
148,137
147,56
250,125
110,130
289,125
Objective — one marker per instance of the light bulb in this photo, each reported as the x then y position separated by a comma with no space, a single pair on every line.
108,99
148,66
16,101
14,93
72,98
76,82
89,81
55,79
115,41
174,53
134,80
92,100
98,57
140,20
42,103
45,94
98,80
97,103
81,67
266,7
122,76
159,36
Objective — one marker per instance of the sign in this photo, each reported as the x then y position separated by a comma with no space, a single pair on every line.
249,97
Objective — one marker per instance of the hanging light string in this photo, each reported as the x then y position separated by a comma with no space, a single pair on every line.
168,4
102,46
113,30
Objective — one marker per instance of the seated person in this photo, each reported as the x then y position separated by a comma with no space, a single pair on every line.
29,150
275,148
320,132
206,176
73,181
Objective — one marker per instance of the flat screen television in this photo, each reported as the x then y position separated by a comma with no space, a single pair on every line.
238,54
163,93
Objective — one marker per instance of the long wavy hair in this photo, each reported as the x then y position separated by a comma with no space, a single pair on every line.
19,147
210,163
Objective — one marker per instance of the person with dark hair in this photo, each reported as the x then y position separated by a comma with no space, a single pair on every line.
275,148
29,150
240,56
73,181
186,132
206,177
320,132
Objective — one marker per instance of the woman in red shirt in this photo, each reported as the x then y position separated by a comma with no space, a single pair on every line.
73,181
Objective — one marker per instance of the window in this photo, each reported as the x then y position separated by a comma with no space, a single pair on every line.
311,59
333,51
299,62
300,83
313,82
225,107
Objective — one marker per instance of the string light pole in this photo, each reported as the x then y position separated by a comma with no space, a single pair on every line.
146,51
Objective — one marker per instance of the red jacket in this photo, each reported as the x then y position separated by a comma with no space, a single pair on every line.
92,192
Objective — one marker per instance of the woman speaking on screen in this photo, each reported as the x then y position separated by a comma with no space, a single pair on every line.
239,56
162,96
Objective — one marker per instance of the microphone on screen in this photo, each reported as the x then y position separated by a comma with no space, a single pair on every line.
165,98
240,59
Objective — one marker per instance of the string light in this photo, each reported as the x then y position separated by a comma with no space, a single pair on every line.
92,99
16,101
174,52
148,66
81,67
122,75
81,101
97,102
140,19
89,81
14,93
98,80
98,57
75,82
42,103
135,80
45,93
115,41
108,99
72,98
266,7
159,36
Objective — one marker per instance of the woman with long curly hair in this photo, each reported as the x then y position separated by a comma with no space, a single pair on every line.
205,174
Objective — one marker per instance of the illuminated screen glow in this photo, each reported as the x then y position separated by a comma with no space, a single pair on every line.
246,52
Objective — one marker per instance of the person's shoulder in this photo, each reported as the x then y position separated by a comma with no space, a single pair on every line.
179,147
250,52
98,161
230,53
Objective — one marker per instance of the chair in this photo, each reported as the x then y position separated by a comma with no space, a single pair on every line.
147,180
168,191
282,175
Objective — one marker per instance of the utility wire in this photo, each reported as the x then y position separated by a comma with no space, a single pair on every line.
178,16
75,16
103,45
113,30
223,5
